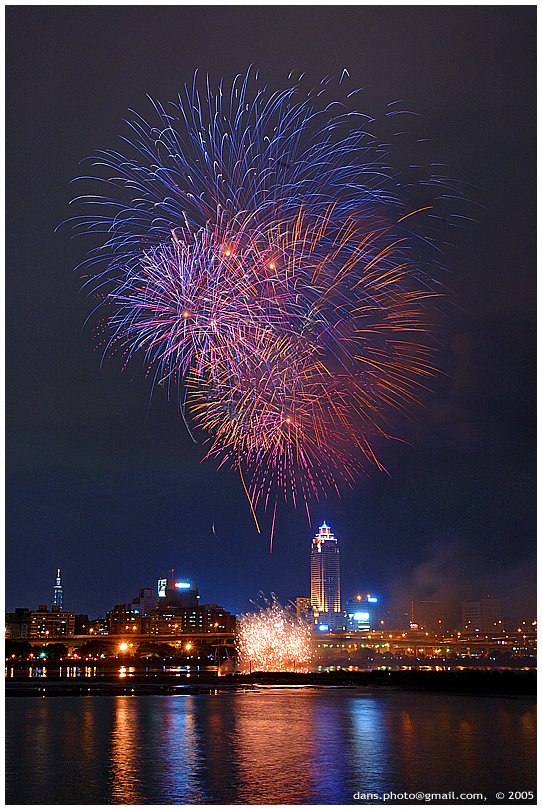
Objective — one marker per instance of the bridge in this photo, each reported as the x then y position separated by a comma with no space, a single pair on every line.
119,640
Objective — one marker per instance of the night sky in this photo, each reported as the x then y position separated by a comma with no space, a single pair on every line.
110,487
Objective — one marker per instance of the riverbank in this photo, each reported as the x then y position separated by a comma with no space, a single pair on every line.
471,682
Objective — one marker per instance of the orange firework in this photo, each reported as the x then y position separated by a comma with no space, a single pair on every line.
261,257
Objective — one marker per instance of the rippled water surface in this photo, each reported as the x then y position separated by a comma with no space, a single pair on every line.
268,746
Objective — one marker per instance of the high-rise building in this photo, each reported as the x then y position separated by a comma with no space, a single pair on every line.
144,602
325,572
174,592
426,614
57,591
360,613
51,624
176,621
483,615
122,619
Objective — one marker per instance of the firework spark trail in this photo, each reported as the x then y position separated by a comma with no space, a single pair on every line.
272,639
258,254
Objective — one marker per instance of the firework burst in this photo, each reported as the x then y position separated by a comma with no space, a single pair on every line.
254,253
272,639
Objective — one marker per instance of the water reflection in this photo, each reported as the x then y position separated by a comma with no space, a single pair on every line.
370,752
330,746
274,743
181,750
37,738
89,751
267,746
125,752
467,748
216,726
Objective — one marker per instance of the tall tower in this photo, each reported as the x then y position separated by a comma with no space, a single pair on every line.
57,591
325,572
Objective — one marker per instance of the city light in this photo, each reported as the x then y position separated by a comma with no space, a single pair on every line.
267,638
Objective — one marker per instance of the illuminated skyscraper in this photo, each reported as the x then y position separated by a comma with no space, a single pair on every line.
325,572
176,593
57,591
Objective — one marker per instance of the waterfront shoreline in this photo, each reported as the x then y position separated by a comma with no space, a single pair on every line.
474,682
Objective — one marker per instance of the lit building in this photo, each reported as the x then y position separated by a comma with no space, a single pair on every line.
122,619
144,602
360,613
303,609
325,573
97,627
482,616
427,615
51,624
82,624
18,623
200,619
57,591
176,592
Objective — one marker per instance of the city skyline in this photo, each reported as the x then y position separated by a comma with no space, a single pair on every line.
174,606
325,602
102,479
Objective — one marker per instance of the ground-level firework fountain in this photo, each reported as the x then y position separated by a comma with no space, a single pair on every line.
273,639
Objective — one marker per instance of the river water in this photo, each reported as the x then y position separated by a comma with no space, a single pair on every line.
265,746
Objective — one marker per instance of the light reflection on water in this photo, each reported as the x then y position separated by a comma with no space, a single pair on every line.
274,750
125,753
287,746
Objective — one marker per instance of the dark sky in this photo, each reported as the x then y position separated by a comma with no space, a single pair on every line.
112,490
